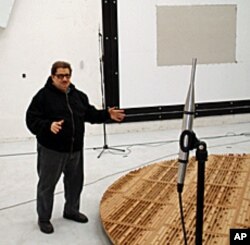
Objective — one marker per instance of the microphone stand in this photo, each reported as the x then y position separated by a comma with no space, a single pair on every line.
201,157
105,145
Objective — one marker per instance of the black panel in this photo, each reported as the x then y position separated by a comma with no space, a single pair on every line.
176,111
110,59
223,108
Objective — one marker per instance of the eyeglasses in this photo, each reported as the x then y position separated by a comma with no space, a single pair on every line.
61,76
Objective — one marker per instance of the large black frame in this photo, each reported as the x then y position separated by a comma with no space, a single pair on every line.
111,81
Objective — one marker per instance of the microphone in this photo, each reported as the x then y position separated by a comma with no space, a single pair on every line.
187,136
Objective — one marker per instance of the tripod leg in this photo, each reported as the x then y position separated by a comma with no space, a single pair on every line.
115,149
101,153
106,147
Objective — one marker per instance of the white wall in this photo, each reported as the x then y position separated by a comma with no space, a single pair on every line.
40,32
169,84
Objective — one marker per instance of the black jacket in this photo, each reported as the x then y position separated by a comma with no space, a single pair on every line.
49,105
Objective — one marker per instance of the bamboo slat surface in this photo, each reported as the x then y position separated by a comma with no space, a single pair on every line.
142,208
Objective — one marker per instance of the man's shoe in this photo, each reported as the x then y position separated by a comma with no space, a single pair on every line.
78,217
45,227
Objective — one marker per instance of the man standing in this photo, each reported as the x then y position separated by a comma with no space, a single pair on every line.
56,115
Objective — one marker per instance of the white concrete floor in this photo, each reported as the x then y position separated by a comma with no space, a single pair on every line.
18,178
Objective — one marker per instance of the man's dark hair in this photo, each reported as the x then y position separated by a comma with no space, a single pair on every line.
60,64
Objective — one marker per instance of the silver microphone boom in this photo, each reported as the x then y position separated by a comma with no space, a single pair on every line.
187,126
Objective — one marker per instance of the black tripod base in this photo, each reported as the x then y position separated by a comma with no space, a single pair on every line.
106,147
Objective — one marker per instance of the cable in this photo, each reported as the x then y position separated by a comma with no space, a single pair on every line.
93,182
18,154
129,169
17,205
140,144
232,143
182,218
229,134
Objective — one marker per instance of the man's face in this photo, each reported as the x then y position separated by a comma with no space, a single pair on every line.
62,79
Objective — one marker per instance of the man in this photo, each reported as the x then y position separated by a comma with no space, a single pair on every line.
56,116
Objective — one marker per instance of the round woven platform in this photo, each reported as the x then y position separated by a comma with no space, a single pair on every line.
142,207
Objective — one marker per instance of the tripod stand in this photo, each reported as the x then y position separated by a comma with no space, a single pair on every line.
105,145
188,141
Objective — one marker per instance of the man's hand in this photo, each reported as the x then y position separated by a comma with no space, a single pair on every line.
56,127
116,114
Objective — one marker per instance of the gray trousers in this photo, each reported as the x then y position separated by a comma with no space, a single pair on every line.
50,166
